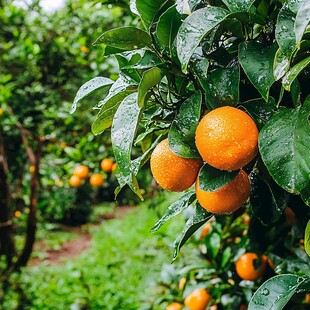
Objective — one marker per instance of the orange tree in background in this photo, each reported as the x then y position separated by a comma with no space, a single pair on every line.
225,82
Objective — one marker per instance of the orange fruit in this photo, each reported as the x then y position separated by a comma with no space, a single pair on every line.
290,217
228,198
75,181
205,230
17,213
96,179
226,138
114,166
182,283
197,300
172,172
106,165
32,169
245,267
307,298
1,111
81,172
63,144
243,307
174,306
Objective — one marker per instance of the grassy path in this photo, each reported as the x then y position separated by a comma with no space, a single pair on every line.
119,271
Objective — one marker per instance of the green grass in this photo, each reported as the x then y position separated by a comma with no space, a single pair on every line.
120,270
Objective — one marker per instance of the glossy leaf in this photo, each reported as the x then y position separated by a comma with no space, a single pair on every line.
199,217
167,28
302,20
149,79
222,87
212,179
239,5
257,63
88,88
194,28
127,60
285,34
260,110
305,195
213,243
267,199
148,10
175,208
281,65
307,239
124,127
227,253
125,38
283,143
294,72
148,60
275,292
182,132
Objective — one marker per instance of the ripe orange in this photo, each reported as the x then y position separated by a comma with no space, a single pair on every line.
1,111
81,172
245,267
114,166
172,172
32,169
182,283
96,179
228,198
106,165
205,230
226,138
198,299
75,181
307,298
290,217
174,306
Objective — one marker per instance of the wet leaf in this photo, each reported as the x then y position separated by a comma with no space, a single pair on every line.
149,79
213,243
302,20
124,127
239,5
281,65
283,143
212,179
307,238
175,208
292,74
199,217
167,28
194,28
88,88
182,132
275,292
125,38
148,60
257,63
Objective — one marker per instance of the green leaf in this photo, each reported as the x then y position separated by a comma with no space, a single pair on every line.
194,28
302,20
307,238
148,9
260,110
149,79
239,5
227,253
175,208
182,132
148,60
89,87
275,292
167,28
267,199
283,143
281,65
305,195
212,179
124,127
127,59
257,63
213,243
222,87
125,38
199,217
285,35
292,74
200,68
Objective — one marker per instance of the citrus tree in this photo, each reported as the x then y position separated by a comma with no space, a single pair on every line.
217,93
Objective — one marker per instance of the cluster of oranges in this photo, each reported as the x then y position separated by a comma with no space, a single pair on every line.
226,138
81,173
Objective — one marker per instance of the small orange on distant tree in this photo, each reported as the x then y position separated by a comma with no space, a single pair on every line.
96,180
197,300
32,169
227,138
174,306
114,166
182,283
172,172
228,198
205,230
246,269
75,181
290,217
107,165
81,171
